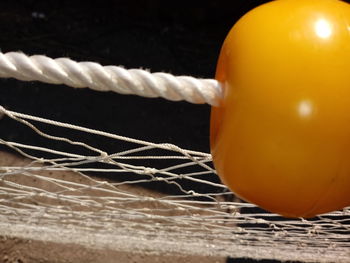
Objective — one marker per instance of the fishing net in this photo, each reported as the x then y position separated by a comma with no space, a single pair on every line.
144,196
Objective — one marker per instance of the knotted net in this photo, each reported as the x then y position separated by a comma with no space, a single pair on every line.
144,197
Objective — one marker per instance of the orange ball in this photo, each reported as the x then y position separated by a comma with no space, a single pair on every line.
280,137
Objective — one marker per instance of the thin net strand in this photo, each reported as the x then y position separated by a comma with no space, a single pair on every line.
87,195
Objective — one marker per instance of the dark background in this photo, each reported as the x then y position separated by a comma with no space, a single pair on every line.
182,38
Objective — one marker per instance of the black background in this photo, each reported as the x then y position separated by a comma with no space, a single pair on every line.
182,38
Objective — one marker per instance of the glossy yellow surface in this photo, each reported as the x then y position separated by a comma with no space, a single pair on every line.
281,137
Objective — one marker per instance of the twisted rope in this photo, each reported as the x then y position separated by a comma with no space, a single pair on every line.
108,78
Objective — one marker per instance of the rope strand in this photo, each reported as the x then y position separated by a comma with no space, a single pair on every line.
108,78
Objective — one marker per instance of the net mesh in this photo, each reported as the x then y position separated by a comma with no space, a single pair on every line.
149,197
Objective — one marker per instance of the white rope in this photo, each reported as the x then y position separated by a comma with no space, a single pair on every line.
108,78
